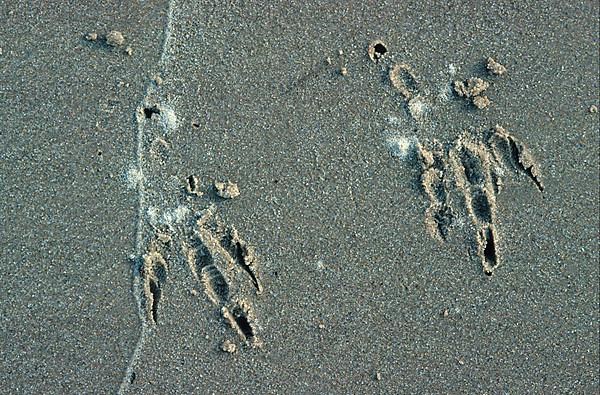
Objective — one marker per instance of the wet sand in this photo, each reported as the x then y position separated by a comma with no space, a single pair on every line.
356,294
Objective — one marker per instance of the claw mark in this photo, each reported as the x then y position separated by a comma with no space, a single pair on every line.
506,147
487,248
243,254
239,317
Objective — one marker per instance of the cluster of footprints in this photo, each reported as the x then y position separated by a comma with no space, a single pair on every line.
463,176
221,262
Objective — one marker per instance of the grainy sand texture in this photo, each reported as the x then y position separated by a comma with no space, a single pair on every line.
299,197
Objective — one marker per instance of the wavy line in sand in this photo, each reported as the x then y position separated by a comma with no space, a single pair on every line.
138,172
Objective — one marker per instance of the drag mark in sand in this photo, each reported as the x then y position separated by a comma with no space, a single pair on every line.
137,174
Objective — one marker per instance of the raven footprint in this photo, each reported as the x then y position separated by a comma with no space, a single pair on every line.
153,273
472,166
226,267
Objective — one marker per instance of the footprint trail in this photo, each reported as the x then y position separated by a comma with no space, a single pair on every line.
179,225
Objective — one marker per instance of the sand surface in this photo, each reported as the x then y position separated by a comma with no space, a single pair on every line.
124,270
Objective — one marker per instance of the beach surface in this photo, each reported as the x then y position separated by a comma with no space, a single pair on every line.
300,198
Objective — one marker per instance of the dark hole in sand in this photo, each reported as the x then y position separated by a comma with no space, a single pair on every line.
380,50
489,251
155,290
149,111
242,322
191,180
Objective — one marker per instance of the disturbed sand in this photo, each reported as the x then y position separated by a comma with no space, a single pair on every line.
300,198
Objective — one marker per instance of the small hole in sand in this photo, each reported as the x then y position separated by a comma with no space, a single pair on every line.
377,50
243,323
149,111
380,50
192,183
